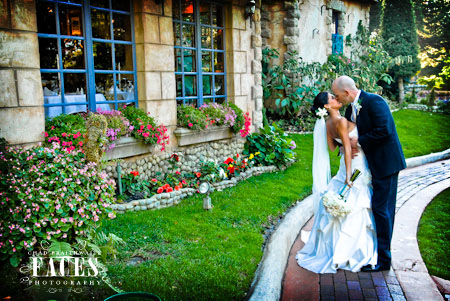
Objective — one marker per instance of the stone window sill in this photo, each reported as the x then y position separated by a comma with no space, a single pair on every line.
127,147
189,137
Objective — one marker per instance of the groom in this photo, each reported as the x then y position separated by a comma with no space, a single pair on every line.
379,141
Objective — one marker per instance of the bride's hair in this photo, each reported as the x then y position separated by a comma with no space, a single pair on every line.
319,102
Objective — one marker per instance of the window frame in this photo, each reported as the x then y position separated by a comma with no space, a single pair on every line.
199,73
88,41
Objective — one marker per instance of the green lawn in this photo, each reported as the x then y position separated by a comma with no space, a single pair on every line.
434,235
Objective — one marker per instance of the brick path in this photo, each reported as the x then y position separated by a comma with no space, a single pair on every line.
301,284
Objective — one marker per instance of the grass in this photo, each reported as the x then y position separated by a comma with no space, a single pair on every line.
434,235
195,254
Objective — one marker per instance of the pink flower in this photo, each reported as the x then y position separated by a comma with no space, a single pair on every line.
190,124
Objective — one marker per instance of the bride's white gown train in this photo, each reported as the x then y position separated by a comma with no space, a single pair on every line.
348,242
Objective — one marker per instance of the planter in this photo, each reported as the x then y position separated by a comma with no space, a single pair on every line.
188,137
127,147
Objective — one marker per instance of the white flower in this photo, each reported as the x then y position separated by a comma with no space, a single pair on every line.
322,112
335,205
358,107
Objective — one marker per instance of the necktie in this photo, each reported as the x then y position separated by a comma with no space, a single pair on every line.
353,117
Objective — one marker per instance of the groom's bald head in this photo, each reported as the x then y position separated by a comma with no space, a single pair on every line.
344,89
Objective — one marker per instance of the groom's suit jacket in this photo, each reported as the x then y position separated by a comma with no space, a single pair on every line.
378,135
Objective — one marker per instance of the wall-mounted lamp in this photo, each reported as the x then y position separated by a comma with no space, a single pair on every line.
322,8
205,188
315,30
250,8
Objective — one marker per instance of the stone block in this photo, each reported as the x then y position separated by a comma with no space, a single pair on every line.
8,95
168,8
149,85
146,28
238,17
292,31
256,66
289,40
258,53
168,85
159,58
258,79
236,84
256,41
164,111
258,104
236,38
30,88
246,83
19,49
242,102
148,6
289,22
239,62
292,47
265,33
23,15
22,125
245,40
258,28
293,13
166,28
257,117
257,92
4,14
265,15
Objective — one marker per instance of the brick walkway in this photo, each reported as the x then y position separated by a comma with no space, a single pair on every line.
301,284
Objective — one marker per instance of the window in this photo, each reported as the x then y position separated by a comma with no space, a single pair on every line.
200,69
337,39
87,55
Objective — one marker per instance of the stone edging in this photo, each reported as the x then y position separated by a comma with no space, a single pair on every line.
266,284
163,200
407,262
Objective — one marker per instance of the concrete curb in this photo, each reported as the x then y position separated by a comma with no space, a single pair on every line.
269,275
266,284
416,161
407,262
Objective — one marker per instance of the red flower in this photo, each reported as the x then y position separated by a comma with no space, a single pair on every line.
237,155
177,172
177,187
198,174
183,181
166,186
231,169
160,190
175,157
154,180
170,189
134,173
229,160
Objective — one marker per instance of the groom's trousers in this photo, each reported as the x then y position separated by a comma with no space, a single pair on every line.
383,207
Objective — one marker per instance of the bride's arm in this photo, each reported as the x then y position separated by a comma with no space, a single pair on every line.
342,129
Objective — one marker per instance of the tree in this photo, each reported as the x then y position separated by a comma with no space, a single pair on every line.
398,29
434,40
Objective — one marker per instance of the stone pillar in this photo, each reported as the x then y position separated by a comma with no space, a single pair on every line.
22,119
257,89
291,38
155,62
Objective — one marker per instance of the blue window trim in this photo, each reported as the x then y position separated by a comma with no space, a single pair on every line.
199,50
88,41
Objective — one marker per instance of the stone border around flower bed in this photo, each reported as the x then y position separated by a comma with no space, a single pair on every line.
163,200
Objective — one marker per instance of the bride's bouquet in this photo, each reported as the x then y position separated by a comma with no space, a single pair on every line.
335,204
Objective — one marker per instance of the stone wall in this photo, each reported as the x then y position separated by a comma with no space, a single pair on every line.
21,97
355,12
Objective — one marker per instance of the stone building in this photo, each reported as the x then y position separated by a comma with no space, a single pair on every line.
69,56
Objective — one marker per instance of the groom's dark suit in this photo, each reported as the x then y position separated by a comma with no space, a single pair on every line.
379,141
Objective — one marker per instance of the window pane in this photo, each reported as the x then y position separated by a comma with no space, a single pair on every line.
124,57
48,51
191,102
46,21
178,78
102,56
220,100
70,20
72,54
190,85
188,36
189,61
204,14
207,81
75,83
176,9
122,27
187,10
206,37
219,86
179,102
177,33
104,85
123,5
50,84
100,3
218,39
125,87
218,62
217,15
206,61
100,24
178,60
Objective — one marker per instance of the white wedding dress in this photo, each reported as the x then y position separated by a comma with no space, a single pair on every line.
348,242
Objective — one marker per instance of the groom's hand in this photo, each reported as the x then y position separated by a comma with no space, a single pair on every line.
354,144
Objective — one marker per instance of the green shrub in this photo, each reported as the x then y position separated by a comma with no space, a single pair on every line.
191,118
49,194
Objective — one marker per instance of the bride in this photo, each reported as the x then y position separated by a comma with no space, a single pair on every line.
347,242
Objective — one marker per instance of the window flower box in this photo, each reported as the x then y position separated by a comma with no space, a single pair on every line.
188,137
127,147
